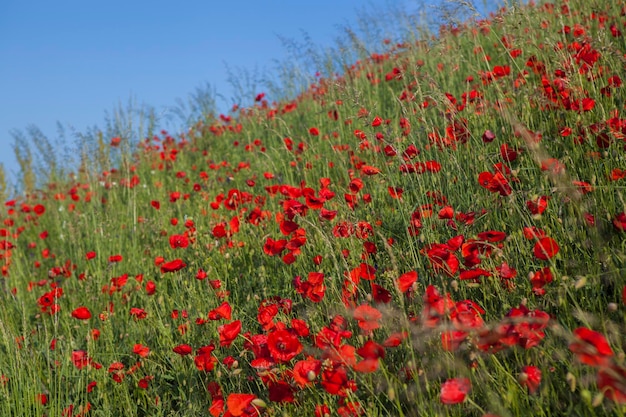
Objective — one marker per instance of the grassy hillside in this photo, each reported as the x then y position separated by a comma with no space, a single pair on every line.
438,230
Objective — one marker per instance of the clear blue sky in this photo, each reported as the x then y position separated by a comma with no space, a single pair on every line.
70,61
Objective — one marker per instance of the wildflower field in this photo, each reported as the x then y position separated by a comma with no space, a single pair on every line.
438,230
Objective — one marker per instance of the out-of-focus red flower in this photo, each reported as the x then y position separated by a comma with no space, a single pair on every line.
454,391
395,339
612,382
115,258
143,382
591,347
539,205
530,378
369,170
138,313
367,317
619,222
322,410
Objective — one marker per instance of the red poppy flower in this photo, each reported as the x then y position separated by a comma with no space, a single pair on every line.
80,359
280,392
141,350
237,403
618,174
81,313
526,327
173,266
371,350
179,241
612,382
590,347
508,153
116,370
583,187
474,274
143,382
442,258
182,350
466,314
283,345
335,380
380,294
395,339
305,371
454,391
222,312
488,136
150,287
406,281
313,289
138,313
539,205
368,317
492,236
530,378
204,360
228,332
369,170
451,339
539,279
553,165
545,248
496,183
274,247
366,366
619,222
532,233
115,258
